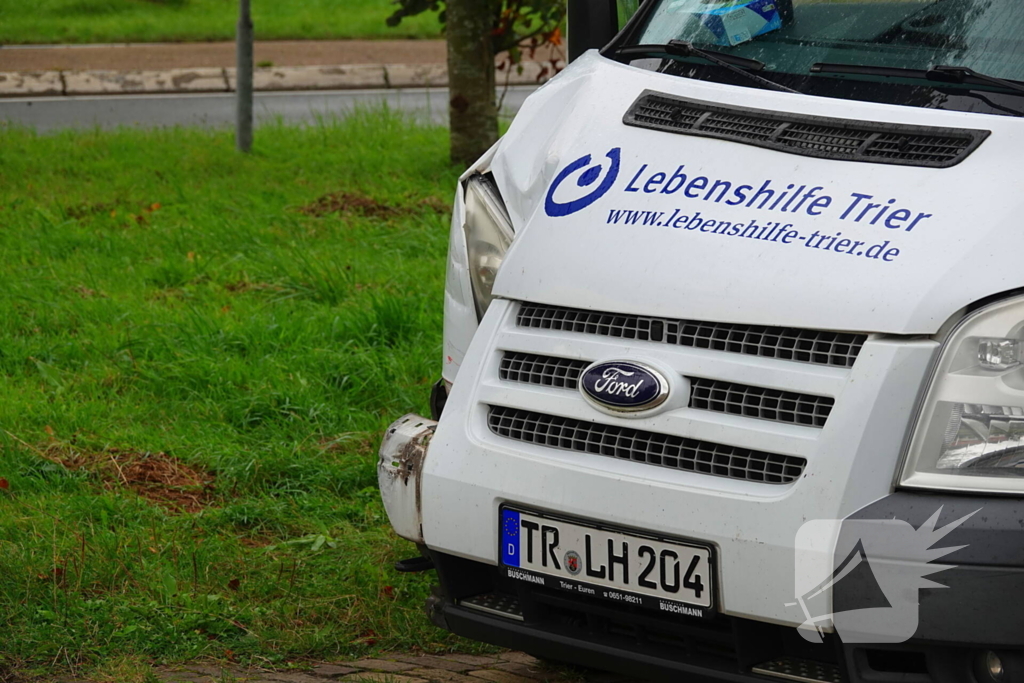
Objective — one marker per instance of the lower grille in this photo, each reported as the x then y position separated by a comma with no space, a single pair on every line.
700,642
800,670
664,450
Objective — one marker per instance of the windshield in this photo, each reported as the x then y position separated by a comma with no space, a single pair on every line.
790,36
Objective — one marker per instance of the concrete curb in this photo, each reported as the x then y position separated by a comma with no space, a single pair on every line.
169,81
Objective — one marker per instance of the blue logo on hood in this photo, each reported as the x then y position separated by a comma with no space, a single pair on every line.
624,386
586,179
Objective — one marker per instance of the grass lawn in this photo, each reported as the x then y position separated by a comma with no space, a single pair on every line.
200,353
102,21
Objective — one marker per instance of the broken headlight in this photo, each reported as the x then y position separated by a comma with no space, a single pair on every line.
488,234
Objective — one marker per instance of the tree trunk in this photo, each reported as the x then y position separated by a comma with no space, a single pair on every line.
472,107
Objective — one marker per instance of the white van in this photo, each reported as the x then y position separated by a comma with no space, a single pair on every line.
733,341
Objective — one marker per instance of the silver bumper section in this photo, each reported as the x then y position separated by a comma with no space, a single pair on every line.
400,473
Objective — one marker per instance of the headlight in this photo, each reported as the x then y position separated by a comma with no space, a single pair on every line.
488,234
970,432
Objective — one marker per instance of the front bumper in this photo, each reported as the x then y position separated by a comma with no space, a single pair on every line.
976,611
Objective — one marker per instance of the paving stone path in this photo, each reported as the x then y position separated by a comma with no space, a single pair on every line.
508,667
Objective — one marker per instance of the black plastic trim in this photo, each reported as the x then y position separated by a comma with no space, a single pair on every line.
547,644
972,138
438,399
979,604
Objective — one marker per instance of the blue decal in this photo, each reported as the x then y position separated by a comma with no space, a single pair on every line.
510,538
587,178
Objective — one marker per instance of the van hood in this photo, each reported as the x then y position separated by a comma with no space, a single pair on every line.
624,219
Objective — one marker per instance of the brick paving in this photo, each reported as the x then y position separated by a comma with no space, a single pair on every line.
508,667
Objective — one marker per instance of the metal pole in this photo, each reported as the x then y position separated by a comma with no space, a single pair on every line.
243,77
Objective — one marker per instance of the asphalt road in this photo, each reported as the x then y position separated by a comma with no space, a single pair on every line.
45,114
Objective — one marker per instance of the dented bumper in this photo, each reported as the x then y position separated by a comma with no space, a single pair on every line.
400,473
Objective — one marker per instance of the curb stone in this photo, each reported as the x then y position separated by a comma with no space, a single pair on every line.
19,84
130,82
215,79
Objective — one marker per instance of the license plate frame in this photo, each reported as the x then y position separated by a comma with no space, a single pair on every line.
583,581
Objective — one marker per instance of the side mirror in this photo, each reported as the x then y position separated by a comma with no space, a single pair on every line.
592,25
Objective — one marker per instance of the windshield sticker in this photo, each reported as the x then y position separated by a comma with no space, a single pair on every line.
694,199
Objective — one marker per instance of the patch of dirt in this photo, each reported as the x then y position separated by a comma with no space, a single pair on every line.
87,293
158,477
242,286
84,210
7,674
360,204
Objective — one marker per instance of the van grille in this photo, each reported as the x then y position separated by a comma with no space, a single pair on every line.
546,371
841,139
664,450
706,394
759,402
838,349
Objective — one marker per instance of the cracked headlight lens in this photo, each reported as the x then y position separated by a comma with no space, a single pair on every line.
489,233
970,431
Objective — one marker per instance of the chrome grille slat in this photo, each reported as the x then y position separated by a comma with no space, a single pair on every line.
635,445
820,347
705,394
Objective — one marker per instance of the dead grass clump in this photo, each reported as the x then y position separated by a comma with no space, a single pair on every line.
158,477
359,204
241,286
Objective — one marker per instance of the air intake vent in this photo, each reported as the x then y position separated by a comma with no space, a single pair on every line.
841,139
838,349
665,450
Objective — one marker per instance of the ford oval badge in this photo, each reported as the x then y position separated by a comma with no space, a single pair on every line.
623,386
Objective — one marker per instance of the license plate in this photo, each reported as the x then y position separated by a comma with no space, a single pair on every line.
591,559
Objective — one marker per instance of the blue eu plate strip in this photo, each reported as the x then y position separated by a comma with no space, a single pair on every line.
510,538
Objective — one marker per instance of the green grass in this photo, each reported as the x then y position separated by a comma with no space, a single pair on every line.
102,21
170,305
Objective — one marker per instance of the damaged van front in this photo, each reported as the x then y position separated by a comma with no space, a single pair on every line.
732,379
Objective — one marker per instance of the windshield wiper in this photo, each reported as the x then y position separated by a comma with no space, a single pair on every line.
680,48
938,74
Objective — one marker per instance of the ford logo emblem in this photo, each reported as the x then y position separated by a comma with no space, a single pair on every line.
623,386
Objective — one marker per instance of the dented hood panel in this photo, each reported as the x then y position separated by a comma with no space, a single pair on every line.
622,230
